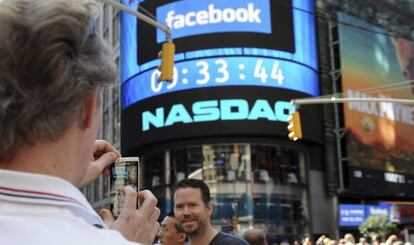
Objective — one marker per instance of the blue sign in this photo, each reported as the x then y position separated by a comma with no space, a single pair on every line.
356,214
382,209
187,18
351,214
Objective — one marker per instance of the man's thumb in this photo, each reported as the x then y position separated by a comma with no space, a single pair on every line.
106,216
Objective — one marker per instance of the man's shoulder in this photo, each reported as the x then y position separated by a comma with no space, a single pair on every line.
227,239
56,230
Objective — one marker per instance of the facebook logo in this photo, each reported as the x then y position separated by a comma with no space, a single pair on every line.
189,17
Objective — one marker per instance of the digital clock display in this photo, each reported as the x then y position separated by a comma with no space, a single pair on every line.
224,71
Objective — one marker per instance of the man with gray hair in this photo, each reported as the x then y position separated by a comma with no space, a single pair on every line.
53,68
255,237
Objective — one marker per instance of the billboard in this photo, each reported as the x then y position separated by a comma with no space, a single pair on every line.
352,215
236,63
380,142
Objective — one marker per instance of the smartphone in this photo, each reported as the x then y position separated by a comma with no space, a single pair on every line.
124,172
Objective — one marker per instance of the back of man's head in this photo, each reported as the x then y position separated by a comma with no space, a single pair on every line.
255,237
196,184
51,62
177,225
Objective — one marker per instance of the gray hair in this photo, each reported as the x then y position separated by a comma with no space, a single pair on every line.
51,61
255,237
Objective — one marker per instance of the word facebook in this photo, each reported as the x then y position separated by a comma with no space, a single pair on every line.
186,17
215,110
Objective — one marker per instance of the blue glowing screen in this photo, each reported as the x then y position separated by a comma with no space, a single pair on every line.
224,71
188,17
217,67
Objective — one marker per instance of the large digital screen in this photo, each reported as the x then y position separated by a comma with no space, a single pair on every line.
225,47
380,142
250,56
236,113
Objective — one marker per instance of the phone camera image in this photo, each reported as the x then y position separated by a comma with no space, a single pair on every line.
124,172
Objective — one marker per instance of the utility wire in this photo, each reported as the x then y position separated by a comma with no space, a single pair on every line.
373,90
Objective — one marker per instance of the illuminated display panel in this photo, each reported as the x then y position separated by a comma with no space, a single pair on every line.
189,18
297,67
380,139
234,80
223,25
228,112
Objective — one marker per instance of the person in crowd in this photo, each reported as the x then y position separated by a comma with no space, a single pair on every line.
391,239
362,241
171,232
53,68
297,242
307,241
193,210
376,240
321,240
350,239
331,242
342,241
255,237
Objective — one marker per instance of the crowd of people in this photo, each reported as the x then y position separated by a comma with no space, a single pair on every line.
349,239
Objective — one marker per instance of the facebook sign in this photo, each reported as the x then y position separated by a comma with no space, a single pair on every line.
187,18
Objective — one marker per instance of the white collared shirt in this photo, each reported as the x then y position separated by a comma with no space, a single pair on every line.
39,209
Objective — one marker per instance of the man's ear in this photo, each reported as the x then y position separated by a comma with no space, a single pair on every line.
90,108
181,237
210,208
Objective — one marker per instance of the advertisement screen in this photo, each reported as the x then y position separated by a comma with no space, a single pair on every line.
267,43
237,65
380,142
210,24
354,215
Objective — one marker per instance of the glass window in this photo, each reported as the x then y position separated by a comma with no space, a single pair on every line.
262,185
153,166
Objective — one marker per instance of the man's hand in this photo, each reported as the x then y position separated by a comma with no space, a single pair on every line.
137,225
104,155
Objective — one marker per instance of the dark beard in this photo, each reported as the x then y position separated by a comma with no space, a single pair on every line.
194,232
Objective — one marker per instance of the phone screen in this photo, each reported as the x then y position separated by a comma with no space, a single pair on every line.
124,172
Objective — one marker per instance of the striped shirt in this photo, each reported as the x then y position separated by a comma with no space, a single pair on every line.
40,209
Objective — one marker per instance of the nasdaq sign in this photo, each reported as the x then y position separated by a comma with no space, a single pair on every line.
214,110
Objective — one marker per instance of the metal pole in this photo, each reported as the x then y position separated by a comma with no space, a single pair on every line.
312,101
141,16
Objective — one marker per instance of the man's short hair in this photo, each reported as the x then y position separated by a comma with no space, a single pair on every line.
51,62
255,237
197,184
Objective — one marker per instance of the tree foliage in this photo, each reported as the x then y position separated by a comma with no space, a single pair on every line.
377,225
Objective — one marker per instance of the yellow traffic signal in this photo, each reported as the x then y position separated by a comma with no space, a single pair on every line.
234,223
294,127
167,62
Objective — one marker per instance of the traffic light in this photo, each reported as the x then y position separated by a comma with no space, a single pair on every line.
167,62
294,127
234,223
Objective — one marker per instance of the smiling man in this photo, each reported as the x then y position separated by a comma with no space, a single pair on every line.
193,210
